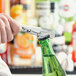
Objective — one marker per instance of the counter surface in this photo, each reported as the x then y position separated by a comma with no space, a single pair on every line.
35,75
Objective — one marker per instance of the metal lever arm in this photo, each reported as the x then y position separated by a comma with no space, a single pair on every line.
40,32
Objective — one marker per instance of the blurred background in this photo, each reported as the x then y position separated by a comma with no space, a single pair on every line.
23,54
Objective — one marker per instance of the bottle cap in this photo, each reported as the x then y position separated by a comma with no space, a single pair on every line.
52,6
44,37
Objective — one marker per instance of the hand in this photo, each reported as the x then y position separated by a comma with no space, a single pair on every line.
8,27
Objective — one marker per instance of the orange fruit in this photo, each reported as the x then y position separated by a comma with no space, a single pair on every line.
28,36
16,10
21,41
24,40
25,53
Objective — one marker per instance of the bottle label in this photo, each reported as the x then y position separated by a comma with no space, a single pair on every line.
26,4
43,13
24,43
43,8
67,8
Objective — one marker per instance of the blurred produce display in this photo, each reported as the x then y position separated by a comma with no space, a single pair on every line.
59,15
23,44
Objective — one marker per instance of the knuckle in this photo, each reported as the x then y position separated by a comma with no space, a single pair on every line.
4,19
4,14
10,38
16,30
8,17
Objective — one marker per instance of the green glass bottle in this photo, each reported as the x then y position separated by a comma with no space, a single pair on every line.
51,66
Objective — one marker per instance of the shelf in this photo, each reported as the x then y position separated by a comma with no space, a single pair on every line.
29,70
74,72
25,70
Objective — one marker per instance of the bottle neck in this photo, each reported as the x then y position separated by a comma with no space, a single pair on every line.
46,47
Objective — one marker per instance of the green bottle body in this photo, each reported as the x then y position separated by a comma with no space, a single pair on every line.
51,66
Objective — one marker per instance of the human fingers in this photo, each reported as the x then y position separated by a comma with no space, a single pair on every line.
13,24
7,28
3,32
